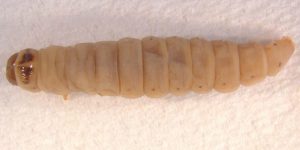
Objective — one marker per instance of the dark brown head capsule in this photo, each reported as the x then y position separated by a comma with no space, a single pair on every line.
21,69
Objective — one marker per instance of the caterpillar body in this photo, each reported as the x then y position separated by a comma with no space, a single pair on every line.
152,66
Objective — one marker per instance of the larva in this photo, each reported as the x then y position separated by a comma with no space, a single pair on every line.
151,66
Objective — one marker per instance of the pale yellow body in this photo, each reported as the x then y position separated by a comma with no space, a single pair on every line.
152,66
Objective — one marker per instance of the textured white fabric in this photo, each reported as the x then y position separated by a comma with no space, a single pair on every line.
264,116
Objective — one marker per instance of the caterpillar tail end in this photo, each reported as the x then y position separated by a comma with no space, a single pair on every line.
278,53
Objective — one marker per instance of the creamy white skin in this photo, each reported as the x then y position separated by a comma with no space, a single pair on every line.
152,66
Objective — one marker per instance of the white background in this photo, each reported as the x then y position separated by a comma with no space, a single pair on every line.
264,116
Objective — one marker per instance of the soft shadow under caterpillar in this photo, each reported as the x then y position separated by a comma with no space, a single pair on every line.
152,66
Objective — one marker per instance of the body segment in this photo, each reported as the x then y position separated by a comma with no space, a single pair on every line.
130,67
227,69
203,61
253,63
180,65
155,67
106,68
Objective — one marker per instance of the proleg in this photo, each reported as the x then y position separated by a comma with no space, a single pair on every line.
151,66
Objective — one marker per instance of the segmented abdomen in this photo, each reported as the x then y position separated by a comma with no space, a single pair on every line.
155,66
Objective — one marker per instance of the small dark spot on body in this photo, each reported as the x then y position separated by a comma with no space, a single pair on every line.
153,89
252,76
27,57
178,89
224,84
279,64
275,44
199,86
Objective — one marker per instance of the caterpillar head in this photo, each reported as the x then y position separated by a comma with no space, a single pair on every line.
21,69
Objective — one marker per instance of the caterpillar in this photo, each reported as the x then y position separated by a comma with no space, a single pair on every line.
151,66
